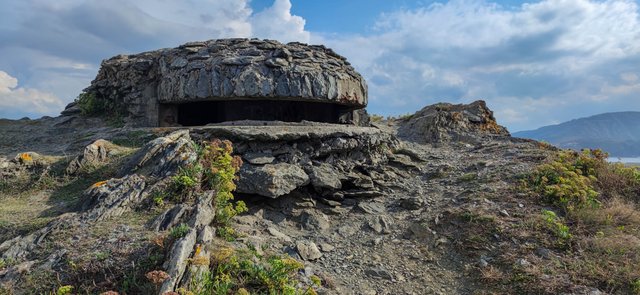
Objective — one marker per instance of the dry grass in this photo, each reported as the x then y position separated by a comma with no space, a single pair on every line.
601,251
23,213
491,275
619,181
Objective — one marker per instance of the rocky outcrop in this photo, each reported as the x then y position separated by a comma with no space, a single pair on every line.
95,155
271,180
323,158
226,69
162,156
24,169
444,122
199,232
106,199
113,197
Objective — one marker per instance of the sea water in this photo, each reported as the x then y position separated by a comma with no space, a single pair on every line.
624,160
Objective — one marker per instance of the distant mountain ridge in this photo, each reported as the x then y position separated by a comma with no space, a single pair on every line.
617,133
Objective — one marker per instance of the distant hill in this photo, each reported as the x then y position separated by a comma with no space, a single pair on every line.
616,133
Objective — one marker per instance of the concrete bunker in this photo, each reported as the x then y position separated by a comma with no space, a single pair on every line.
216,81
201,113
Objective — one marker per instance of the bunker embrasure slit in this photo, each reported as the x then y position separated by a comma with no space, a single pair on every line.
207,112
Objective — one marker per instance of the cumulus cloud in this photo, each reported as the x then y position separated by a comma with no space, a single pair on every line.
276,22
57,46
533,64
29,101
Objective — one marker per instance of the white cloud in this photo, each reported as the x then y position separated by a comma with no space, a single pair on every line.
534,64
276,22
26,100
519,59
57,46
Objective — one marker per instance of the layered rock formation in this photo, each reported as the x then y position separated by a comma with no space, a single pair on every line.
445,122
153,86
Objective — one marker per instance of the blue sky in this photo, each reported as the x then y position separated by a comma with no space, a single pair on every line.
535,63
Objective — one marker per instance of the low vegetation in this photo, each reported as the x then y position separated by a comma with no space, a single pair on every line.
575,227
33,199
215,170
91,106
229,271
582,229
243,271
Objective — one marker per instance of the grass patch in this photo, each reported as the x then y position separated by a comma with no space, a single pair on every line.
376,118
30,203
468,177
179,231
133,139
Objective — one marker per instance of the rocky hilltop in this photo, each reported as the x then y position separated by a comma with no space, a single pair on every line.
440,202
445,122
356,204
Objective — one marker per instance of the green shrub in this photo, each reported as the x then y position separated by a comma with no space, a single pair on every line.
219,173
568,181
215,170
64,290
92,106
179,231
597,234
158,199
556,225
187,179
233,273
577,180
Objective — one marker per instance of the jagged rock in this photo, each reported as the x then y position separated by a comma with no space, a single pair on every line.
271,180
308,250
258,158
371,207
204,211
419,230
203,215
361,181
325,247
412,203
71,109
23,162
162,156
94,155
324,177
380,223
312,220
112,197
380,273
201,253
445,122
19,247
404,160
276,233
4,163
362,194
170,218
178,260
